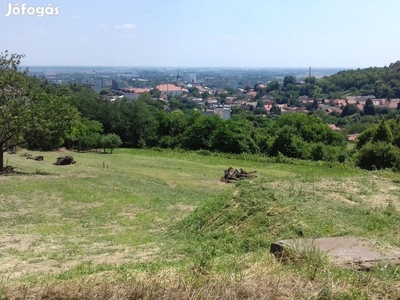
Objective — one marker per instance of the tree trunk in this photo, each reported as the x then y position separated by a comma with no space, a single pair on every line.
1,158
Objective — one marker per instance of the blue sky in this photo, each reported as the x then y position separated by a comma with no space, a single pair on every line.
206,33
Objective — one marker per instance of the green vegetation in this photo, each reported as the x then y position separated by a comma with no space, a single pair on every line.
41,116
380,82
150,224
28,112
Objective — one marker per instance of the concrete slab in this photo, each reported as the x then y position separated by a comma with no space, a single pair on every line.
346,251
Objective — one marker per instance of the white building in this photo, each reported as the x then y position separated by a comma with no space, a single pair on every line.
224,111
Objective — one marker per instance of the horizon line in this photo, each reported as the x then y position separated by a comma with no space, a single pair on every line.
193,67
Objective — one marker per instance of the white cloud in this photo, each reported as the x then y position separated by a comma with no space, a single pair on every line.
101,25
127,26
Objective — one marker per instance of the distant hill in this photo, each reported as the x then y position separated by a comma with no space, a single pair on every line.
381,82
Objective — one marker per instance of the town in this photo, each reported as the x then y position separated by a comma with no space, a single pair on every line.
220,92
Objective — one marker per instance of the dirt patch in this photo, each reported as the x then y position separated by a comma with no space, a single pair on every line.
63,150
184,208
25,254
129,211
340,198
18,242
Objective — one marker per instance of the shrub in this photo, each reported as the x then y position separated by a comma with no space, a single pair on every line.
378,156
317,151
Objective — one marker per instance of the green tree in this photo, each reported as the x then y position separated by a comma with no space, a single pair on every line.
237,110
135,121
110,141
288,143
369,108
314,105
26,110
234,136
87,135
275,110
194,91
52,121
14,110
311,80
289,80
155,93
383,133
348,110
197,136
260,104
205,95
273,86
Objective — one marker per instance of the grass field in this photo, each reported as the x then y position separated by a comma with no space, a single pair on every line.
144,224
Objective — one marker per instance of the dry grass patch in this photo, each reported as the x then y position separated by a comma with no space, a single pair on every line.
373,191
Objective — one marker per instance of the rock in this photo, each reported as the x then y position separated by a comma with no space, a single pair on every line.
344,251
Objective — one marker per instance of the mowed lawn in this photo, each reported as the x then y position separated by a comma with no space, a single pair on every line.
105,208
114,212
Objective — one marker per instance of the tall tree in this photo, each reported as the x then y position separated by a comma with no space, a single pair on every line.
289,80
51,121
369,108
383,133
14,111
25,108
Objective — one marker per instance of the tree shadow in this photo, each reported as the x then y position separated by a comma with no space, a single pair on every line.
15,172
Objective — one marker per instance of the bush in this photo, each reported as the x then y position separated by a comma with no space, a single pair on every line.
289,144
317,151
378,156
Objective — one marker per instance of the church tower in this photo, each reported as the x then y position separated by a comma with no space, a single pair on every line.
178,80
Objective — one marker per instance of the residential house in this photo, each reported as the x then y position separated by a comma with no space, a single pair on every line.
352,101
267,97
247,105
339,102
197,100
269,104
379,102
392,103
230,99
305,99
212,101
333,127
250,94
